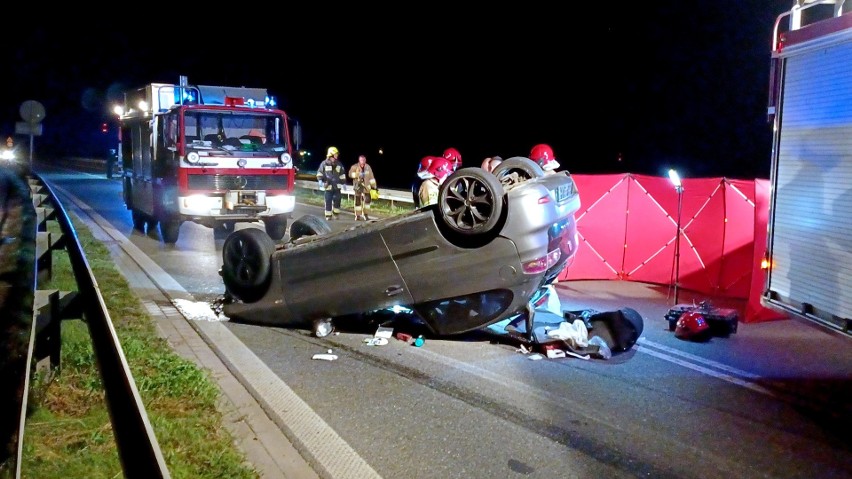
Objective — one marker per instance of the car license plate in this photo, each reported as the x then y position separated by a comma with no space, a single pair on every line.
563,192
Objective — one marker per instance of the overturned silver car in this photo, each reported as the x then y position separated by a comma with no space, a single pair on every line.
476,257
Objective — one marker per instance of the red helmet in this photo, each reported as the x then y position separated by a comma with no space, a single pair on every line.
423,167
692,326
454,156
543,155
440,168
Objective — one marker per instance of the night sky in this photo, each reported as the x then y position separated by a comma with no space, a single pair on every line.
657,84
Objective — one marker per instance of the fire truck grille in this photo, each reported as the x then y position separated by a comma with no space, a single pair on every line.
237,182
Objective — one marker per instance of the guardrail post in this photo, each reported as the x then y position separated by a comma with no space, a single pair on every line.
48,317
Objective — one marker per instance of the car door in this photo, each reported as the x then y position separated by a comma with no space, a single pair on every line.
345,273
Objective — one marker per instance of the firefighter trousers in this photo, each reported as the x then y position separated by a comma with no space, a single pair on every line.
332,202
362,203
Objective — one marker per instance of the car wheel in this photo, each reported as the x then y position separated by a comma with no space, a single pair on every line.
246,263
470,202
517,170
309,225
276,227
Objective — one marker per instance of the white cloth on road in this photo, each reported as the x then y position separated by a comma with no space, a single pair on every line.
574,334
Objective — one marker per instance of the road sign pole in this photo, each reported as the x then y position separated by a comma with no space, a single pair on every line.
32,112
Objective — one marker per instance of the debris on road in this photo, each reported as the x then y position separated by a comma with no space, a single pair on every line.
404,337
325,357
375,341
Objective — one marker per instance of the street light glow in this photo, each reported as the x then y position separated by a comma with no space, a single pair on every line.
674,177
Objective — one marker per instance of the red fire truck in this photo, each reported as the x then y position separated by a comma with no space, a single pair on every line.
213,155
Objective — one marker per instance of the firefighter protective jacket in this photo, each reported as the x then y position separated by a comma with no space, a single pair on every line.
362,178
331,174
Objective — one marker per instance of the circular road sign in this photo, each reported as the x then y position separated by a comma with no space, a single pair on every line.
32,111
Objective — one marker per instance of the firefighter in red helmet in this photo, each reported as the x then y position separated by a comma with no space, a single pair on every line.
439,169
543,155
454,156
422,175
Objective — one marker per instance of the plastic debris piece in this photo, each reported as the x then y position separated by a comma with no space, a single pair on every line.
555,353
523,349
404,337
603,348
383,332
419,341
325,357
376,341
535,357
579,356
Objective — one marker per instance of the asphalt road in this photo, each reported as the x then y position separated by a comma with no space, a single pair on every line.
770,401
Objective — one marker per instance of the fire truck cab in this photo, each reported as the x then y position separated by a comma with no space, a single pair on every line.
212,155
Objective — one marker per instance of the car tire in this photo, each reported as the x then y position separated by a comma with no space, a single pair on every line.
309,225
246,263
275,226
471,202
517,170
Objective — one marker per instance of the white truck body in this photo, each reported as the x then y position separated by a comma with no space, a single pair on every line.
809,242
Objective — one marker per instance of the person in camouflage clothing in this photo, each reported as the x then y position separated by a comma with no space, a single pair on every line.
17,265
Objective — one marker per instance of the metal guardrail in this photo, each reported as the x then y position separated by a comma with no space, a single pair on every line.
391,195
305,180
138,449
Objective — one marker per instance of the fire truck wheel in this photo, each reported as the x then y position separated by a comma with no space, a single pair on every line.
246,263
139,221
170,229
276,227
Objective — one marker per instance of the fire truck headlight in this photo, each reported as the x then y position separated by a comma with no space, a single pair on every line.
192,157
285,160
242,162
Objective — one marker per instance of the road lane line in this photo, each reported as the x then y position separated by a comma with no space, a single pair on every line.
710,372
697,359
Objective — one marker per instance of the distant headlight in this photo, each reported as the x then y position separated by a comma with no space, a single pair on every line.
192,157
7,155
285,160
242,162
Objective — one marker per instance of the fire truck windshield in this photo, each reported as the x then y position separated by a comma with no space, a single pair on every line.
228,130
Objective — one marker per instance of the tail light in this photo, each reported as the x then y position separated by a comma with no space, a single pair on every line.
540,265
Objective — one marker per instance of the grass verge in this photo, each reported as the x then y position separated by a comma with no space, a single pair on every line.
68,432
